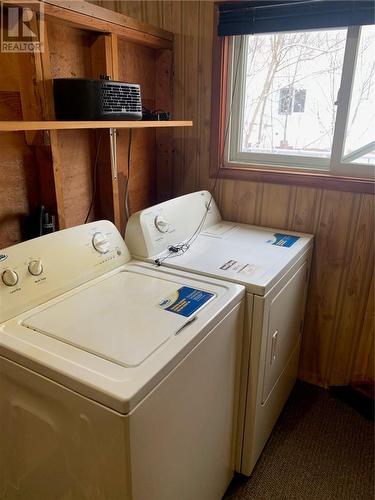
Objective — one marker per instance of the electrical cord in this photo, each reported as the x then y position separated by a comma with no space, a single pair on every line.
94,176
155,114
181,248
127,211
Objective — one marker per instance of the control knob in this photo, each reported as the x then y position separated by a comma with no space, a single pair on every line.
100,243
9,277
161,224
35,267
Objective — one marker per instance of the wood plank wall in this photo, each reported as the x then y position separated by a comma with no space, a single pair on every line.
192,23
55,168
19,191
338,337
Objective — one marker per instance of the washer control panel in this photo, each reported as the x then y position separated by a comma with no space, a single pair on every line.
10,277
42,268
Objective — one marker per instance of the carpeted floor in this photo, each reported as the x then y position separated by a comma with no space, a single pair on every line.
320,449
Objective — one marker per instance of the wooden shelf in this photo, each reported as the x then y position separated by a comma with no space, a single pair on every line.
19,126
57,171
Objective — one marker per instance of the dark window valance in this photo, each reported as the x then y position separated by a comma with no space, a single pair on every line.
241,18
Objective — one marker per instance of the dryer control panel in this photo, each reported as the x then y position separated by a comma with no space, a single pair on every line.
150,231
40,269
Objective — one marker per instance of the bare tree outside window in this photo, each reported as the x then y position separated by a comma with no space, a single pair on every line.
291,86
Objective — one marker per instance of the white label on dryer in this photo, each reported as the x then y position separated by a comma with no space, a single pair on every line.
233,265
239,267
250,269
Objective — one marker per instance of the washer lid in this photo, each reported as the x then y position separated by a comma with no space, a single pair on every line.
118,319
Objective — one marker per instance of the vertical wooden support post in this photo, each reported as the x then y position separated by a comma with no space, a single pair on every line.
105,62
30,97
44,81
57,174
35,81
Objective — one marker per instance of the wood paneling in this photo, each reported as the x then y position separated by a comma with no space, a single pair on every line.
70,56
82,40
137,65
356,292
18,172
9,75
363,368
163,100
338,336
80,14
18,186
192,25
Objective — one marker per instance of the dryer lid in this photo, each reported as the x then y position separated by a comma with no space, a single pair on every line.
118,319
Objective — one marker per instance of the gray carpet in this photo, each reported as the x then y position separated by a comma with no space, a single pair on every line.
320,449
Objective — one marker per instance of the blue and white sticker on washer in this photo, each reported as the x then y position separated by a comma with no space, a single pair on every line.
186,301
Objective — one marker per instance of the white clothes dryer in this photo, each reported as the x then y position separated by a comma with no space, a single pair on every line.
188,233
116,381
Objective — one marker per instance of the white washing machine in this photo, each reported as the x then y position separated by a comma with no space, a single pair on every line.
273,265
116,381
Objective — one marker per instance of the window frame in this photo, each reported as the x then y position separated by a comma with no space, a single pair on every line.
338,175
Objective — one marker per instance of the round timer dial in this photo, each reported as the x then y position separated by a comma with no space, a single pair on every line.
100,243
35,267
9,277
161,224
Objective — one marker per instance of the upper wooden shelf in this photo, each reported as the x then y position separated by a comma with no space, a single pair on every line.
84,15
19,126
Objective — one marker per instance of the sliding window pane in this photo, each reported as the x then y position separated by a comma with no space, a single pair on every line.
360,138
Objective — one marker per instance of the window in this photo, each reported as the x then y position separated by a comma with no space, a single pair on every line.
360,136
303,100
